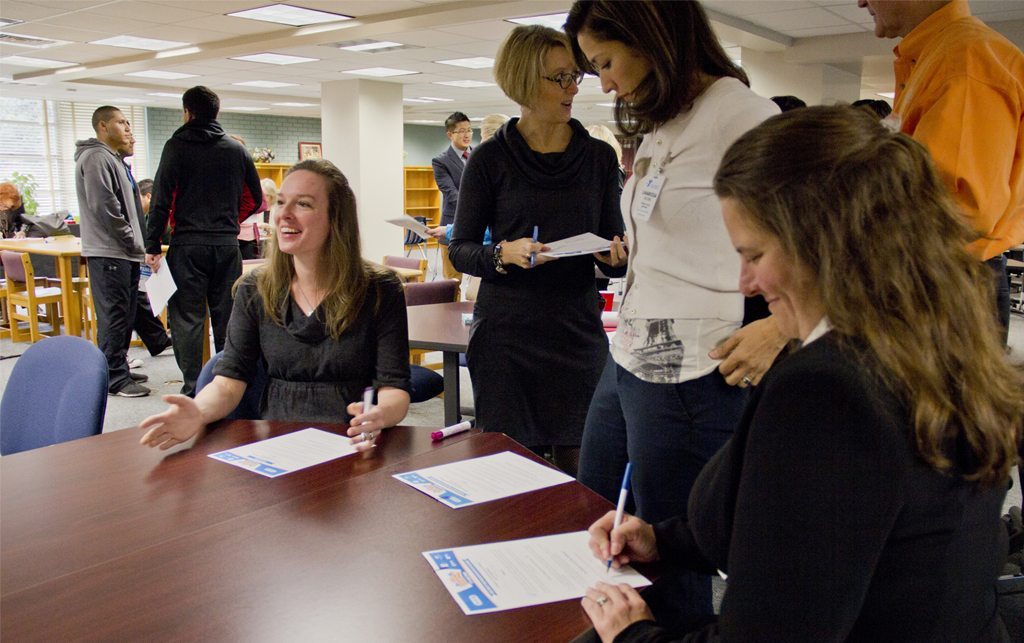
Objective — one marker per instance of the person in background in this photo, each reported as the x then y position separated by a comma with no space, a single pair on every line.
448,169
12,225
491,124
960,92
111,225
205,177
663,403
145,324
602,133
537,345
860,496
326,324
787,103
880,108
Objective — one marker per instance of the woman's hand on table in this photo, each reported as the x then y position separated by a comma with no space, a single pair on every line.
749,352
179,423
633,540
517,253
613,608
617,255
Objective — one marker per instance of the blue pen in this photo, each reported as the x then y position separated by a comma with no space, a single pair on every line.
533,255
620,509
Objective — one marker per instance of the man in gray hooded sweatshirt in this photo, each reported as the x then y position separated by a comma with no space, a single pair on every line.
111,240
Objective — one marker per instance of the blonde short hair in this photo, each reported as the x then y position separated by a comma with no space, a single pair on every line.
269,188
519,64
602,133
491,124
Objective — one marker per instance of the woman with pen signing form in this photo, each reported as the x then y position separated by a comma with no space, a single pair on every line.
325,323
860,496
537,344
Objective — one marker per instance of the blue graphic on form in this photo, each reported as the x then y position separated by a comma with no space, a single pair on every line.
445,559
270,471
414,478
474,599
455,499
227,456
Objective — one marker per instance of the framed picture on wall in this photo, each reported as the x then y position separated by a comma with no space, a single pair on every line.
310,151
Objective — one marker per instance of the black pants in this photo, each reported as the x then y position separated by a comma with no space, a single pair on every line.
115,289
1002,282
149,328
204,276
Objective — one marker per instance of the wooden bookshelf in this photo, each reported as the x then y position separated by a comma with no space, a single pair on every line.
273,171
422,198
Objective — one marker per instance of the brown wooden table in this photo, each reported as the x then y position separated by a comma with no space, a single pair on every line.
439,327
106,540
65,250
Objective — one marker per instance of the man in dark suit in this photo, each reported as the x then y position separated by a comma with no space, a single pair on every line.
448,167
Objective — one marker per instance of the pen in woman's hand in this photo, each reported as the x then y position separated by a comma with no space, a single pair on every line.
619,510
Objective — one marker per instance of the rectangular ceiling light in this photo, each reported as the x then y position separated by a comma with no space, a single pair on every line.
265,84
380,72
21,40
128,101
438,100
275,59
479,62
134,42
39,63
368,44
889,95
295,104
162,75
605,104
246,108
164,94
7,22
464,83
416,100
286,14
553,20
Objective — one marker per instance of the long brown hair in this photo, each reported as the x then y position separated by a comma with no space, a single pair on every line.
342,270
675,37
864,210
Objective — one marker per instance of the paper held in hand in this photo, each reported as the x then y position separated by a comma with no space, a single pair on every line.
410,224
581,244
160,287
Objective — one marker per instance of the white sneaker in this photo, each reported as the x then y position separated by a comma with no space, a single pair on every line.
135,363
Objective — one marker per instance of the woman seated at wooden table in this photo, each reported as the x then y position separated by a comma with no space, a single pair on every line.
325,323
859,498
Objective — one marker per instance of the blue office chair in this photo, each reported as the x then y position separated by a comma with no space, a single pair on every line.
57,392
426,383
249,407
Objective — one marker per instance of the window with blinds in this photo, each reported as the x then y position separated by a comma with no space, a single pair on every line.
38,138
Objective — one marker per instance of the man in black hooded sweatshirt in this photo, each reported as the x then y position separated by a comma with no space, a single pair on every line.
203,179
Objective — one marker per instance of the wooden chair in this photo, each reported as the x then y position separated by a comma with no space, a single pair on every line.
409,263
439,291
22,291
5,324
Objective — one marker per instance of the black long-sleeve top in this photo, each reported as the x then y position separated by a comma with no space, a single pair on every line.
829,525
510,188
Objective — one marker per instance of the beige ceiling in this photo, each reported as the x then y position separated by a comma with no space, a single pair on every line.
437,29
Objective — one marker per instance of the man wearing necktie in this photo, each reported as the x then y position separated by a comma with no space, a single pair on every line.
448,166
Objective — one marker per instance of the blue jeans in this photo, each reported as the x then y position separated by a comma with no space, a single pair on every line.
669,432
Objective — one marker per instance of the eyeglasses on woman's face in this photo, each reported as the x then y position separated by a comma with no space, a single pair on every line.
565,79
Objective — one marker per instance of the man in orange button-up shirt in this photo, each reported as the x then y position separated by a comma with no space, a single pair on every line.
960,92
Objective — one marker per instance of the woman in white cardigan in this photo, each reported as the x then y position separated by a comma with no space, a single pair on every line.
663,403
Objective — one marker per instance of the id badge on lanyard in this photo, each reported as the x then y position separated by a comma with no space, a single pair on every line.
649,188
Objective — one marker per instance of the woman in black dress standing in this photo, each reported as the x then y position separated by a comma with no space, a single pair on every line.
537,345
325,323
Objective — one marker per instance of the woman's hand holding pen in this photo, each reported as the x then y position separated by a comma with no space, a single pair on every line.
633,540
617,255
365,423
517,253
